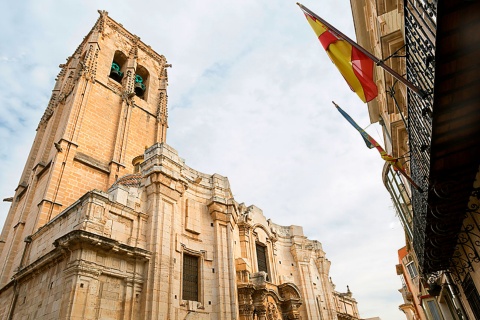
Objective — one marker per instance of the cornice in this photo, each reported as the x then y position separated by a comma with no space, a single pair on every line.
106,20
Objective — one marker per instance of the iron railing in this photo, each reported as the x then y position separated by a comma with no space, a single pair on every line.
420,29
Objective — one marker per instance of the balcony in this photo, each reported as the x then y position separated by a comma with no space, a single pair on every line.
443,54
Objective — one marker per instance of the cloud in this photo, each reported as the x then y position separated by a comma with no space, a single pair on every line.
250,96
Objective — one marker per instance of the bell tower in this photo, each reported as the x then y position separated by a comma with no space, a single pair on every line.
108,105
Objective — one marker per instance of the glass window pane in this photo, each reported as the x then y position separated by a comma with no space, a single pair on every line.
434,310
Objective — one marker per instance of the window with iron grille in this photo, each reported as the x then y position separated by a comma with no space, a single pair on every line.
262,258
190,278
472,296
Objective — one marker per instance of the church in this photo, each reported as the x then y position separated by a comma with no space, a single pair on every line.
108,222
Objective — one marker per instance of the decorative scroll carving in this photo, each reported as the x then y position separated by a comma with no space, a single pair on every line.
444,189
467,251
256,300
272,312
245,301
420,127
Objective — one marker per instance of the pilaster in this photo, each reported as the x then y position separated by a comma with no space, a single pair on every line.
303,253
224,215
164,188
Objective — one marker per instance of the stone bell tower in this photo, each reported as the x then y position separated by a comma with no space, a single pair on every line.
108,105
108,221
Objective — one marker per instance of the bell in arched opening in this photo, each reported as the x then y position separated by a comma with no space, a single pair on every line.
141,82
115,72
118,63
139,85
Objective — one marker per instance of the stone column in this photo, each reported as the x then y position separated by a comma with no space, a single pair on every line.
129,299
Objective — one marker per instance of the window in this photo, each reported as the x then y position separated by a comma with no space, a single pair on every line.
433,309
472,296
141,82
412,270
118,63
262,258
136,162
410,266
190,278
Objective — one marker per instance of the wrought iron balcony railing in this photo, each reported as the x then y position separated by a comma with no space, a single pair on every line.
420,28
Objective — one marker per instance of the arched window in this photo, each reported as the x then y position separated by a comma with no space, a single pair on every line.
141,82
137,161
118,66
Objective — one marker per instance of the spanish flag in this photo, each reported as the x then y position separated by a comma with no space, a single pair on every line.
372,143
354,65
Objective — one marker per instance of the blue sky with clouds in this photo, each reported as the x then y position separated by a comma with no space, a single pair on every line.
250,96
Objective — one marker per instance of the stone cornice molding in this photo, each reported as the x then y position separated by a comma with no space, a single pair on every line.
50,259
81,238
223,210
105,20
83,268
91,196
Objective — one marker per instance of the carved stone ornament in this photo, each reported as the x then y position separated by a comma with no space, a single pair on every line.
272,312
89,65
52,104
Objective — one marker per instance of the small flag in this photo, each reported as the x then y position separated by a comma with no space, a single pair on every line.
353,64
371,143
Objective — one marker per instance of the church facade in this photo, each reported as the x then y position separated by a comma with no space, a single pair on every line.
108,222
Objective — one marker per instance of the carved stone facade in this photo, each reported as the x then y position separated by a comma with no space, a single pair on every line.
97,232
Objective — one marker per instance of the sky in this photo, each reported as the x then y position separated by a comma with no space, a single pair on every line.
250,96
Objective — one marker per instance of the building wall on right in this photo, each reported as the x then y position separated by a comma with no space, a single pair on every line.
403,34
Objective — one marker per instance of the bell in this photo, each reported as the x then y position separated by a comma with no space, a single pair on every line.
115,72
139,86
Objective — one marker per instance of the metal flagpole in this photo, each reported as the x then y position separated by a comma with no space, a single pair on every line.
377,61
377,146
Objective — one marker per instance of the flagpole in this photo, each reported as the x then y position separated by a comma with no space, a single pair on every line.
379,149
422,94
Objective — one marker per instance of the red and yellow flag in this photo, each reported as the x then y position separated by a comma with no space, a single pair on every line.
354,65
